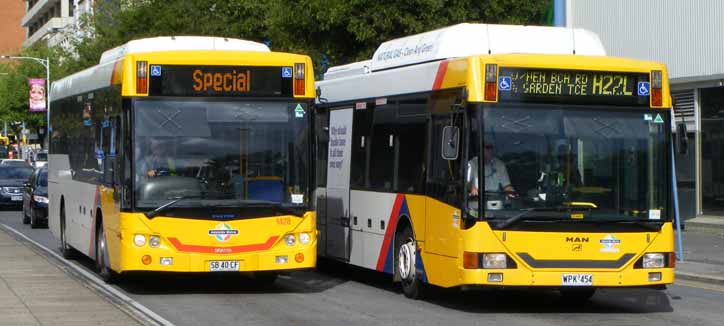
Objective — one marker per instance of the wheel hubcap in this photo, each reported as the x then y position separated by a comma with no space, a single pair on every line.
101,251
406,260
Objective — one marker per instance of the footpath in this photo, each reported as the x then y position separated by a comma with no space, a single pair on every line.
35,290
703,244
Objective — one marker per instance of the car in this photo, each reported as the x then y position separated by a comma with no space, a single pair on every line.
40,159
35,199
12,181
14,162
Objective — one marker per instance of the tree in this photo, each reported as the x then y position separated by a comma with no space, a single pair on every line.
350,30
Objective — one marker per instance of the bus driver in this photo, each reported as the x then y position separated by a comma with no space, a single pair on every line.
495,174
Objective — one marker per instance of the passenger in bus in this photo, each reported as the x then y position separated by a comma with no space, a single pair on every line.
495,174
159,160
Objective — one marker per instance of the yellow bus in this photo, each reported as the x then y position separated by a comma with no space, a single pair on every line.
498,156
185,154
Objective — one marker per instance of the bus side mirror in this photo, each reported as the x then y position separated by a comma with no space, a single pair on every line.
682,143
450,143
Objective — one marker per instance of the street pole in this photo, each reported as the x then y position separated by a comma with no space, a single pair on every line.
47,97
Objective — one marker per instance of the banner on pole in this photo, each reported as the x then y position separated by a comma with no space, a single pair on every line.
37,94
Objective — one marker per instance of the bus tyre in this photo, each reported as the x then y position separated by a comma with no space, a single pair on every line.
265,278
34,221
65,249
577,295
406,248
101,257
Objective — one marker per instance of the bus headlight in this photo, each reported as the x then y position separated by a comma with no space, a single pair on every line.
154,241
653,260
139,240
304,238
494,261
290,240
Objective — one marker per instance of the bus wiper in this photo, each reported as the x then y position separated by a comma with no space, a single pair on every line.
166,206
653,226
277,207
524,214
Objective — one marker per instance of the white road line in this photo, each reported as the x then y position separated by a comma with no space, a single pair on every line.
98,283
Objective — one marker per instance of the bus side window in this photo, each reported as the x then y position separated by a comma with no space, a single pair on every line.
382,149
359,164
411,142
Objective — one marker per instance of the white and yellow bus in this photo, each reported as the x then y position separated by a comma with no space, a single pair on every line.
573,148
185,154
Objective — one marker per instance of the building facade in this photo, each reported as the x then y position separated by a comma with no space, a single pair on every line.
45,19
689,37
12,36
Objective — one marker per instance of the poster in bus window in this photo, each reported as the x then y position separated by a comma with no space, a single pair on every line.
37,94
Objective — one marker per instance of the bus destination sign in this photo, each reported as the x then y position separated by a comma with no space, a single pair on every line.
169,80
573,86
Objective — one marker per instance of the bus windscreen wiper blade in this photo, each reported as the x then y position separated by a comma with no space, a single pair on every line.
166,206
524,214
277,207
652,226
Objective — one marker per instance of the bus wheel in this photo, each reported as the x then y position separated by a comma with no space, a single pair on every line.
101,257
65,249
577,295
406,247
265,278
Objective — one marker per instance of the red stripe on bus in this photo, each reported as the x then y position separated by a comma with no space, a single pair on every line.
389,232
222,250
441,70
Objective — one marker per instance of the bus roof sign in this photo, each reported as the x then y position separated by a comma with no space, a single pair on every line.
474,39
174,80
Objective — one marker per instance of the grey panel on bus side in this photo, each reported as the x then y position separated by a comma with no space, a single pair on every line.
337,199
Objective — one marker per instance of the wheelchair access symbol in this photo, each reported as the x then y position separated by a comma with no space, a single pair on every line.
643,88
286,72
504,83
155,71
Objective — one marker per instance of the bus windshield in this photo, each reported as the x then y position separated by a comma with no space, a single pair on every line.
233,151
569,162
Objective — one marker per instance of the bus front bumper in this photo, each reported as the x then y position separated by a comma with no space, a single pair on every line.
169,260
570,278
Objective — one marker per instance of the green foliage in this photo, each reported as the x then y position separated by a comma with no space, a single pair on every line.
350,30
14,88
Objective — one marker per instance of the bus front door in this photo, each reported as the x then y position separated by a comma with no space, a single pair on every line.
338,171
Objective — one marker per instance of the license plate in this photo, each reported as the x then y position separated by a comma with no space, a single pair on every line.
577,279
16,198
223,265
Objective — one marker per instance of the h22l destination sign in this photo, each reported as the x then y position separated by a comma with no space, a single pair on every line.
549,85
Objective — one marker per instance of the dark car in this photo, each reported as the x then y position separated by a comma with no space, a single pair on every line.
12,182
35,199
14,162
